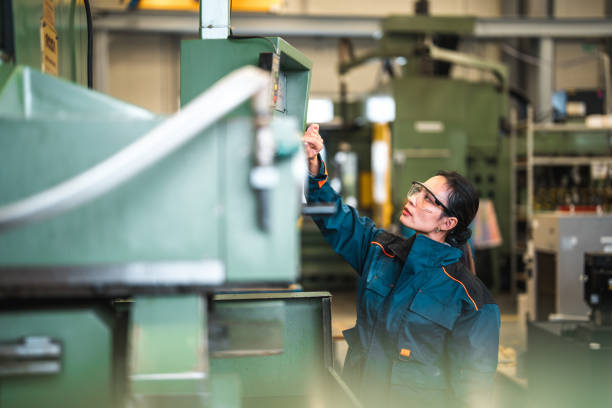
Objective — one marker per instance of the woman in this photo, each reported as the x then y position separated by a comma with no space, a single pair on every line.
427,329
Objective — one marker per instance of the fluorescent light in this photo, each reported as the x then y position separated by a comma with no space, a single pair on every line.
380,109
320,111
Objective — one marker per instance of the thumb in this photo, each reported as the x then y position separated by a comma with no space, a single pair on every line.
313,127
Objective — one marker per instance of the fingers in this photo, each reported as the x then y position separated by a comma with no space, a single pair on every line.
313,143
312,140
314,127
312,130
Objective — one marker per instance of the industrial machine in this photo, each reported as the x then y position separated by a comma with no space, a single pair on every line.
569,361
119,228
560,243
443,122
598,286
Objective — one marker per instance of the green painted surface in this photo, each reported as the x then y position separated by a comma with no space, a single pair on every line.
429,24
203,62
71,27
195,205
572,144
419,99
27,93
295,372
225,391
254,255
249,327
86,336
469,114
167,343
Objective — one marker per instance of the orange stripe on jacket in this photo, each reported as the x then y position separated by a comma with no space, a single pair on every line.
464,288
383,249
322,182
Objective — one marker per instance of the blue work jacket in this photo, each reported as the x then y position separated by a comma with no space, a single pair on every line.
427,329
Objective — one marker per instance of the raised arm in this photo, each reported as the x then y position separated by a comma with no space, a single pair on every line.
348,234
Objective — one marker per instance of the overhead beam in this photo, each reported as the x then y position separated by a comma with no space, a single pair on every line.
562,28
242,24
341,26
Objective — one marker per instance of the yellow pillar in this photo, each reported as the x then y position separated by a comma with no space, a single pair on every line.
381,174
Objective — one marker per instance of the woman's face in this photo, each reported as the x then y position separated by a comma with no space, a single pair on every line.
420,211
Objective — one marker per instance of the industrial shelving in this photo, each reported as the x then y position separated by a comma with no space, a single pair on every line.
533,160
541,160
523,208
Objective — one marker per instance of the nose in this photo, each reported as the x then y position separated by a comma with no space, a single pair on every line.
412,201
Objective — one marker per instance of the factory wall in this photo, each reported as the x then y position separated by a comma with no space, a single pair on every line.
482,8
578,65
143,68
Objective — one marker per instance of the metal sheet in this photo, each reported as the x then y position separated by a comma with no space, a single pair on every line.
110,280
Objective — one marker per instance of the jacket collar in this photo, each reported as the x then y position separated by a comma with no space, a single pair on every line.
401,247
422,250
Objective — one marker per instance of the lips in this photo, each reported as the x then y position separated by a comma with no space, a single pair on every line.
406,212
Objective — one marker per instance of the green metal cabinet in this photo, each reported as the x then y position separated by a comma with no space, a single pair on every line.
293,365
203,62
196,205
85,364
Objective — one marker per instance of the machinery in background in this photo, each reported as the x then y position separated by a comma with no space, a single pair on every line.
567,213
569,361
574,105
117,228
443,122
598,286
561,242
30,33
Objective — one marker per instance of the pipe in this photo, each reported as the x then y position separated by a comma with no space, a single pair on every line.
89,44
214,19
605,63
145,152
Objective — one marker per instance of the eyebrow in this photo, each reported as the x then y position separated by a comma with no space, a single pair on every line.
436,200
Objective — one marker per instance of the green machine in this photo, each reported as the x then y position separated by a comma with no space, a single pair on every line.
62,24
118,227
444,123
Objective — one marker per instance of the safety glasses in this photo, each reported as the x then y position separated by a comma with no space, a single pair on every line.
425,199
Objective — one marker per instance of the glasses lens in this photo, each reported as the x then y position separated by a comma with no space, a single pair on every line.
424,199
414,190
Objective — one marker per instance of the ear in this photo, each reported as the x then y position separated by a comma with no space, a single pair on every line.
448,223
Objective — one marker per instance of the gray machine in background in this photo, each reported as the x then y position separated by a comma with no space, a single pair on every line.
569,361
560,242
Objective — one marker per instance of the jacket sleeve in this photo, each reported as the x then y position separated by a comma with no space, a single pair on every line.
472,351
348,234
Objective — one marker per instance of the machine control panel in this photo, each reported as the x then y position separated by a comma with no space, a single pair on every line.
271,62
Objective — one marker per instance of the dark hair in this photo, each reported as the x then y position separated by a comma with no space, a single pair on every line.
463,202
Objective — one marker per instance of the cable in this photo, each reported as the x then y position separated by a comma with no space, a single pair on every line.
535,61
249,37
89,45
158,143
529,59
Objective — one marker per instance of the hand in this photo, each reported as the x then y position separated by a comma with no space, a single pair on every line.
313,144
